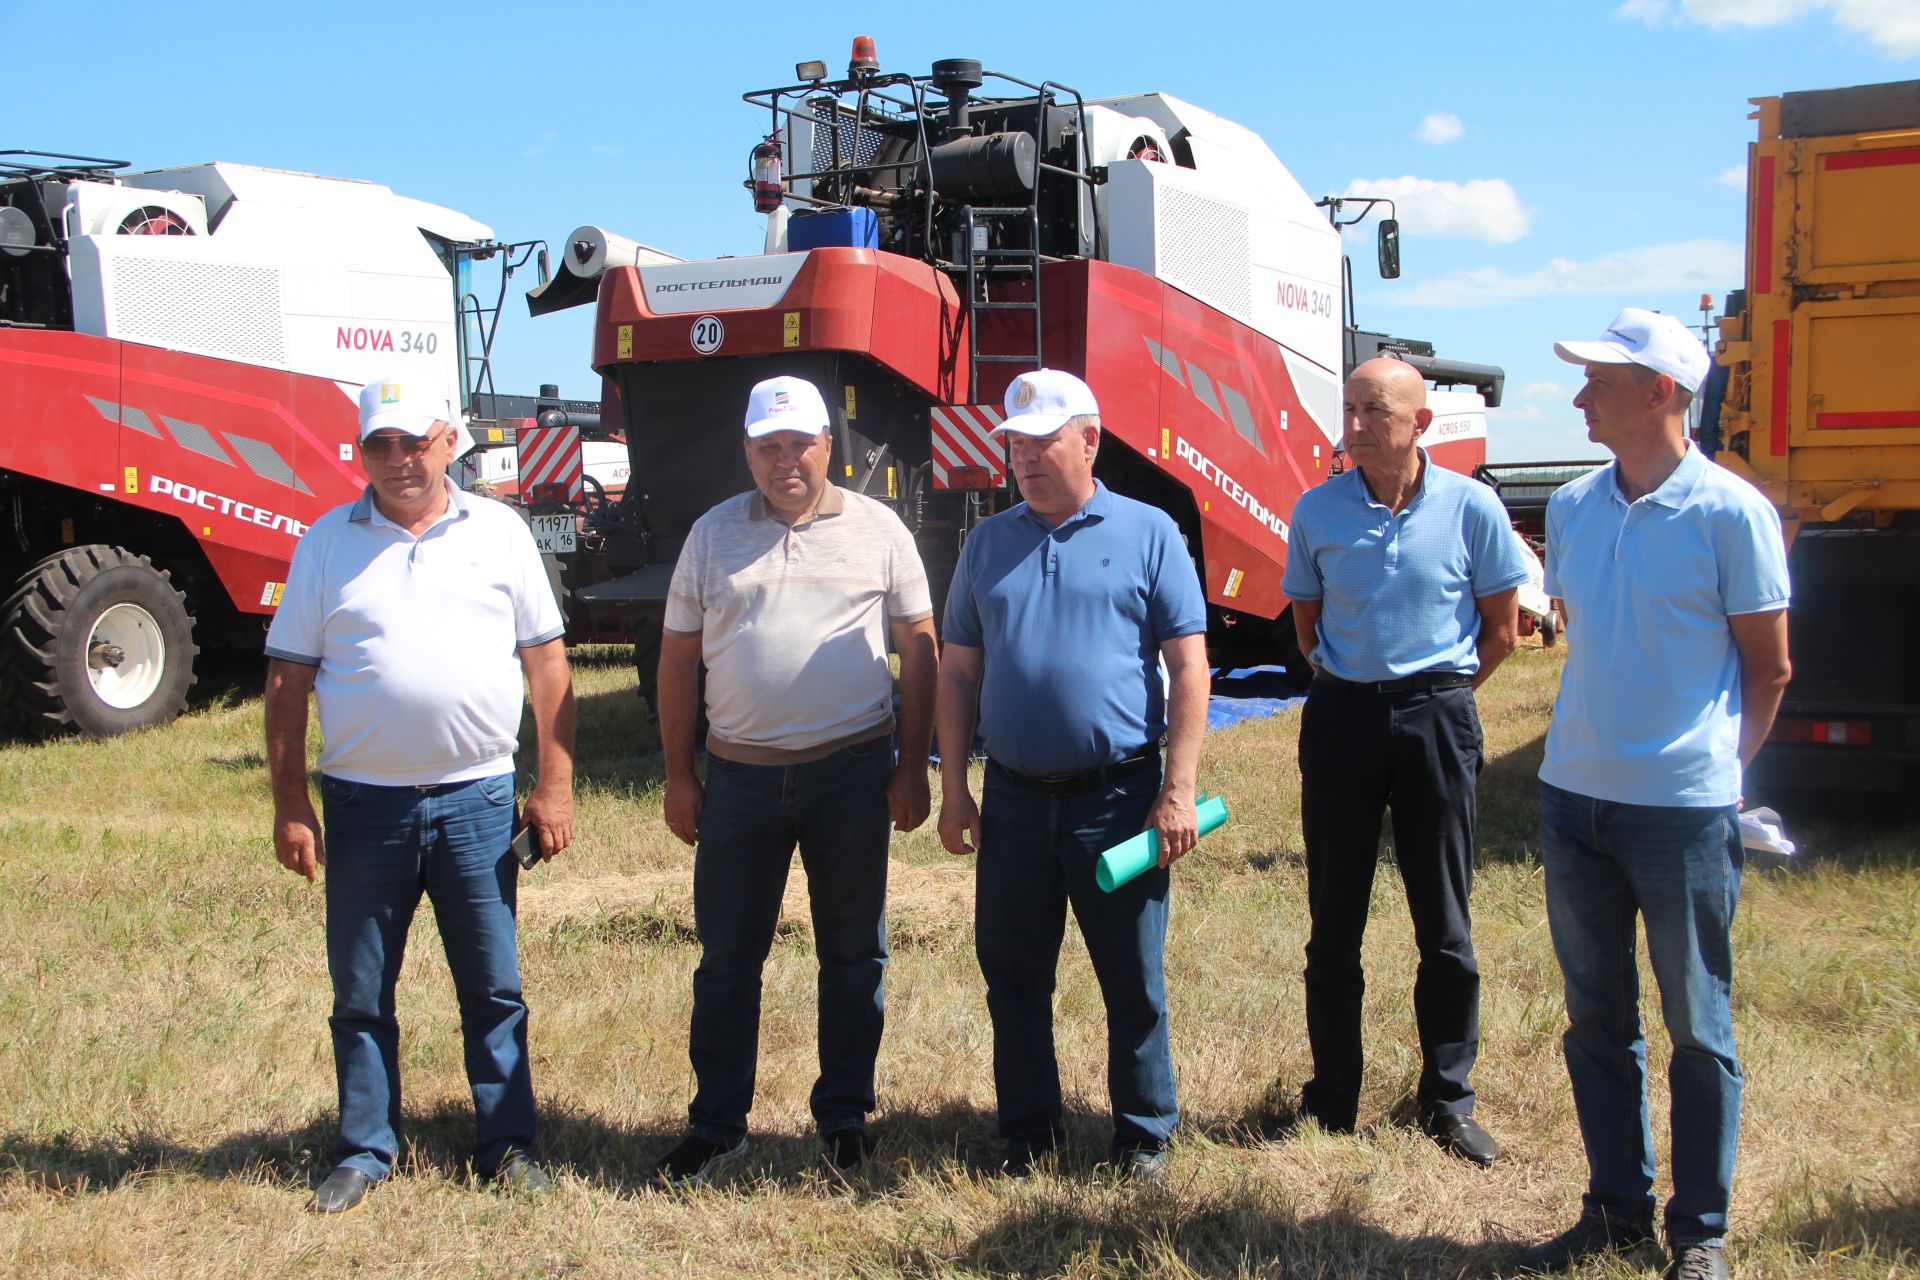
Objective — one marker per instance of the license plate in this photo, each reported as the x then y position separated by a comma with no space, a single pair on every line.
554,535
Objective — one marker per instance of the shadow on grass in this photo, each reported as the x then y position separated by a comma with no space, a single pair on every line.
615,745
938,1138
1885,1233
224,678
1073,1218
1851,829
68,1166
1058,1230
438,1140
1847,829
1509,826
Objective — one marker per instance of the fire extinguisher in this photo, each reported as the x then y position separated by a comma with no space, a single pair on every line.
768,193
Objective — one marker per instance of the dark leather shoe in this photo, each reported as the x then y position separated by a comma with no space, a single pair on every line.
342,1192
847,1150
519,1174
1018,1162
1594,1234
1462,1136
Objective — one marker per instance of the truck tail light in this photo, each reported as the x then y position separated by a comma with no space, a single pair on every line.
969,478
1851,733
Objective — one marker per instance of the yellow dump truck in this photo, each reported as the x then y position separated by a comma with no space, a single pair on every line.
1816,400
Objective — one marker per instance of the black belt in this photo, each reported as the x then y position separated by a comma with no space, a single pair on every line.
1419,681
1074,784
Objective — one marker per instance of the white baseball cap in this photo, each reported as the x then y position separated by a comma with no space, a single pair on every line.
1041,402
1649,339
411,403
785,404
402,403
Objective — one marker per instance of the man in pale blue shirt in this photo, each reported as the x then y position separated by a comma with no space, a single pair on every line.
1403,578
1674,576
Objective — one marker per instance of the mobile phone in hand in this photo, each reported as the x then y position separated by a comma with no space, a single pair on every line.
525,847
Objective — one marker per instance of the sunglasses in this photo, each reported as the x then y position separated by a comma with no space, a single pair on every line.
384,446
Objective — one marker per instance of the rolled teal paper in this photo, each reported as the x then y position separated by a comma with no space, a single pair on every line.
1133,857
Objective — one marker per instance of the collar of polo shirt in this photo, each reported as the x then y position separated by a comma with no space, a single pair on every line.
1419,483
364,508
1095,506
1674,491
832,502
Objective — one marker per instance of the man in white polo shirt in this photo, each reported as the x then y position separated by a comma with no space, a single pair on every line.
412,614
787,593
1674,576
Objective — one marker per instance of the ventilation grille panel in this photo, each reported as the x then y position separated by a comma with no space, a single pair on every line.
214,308
833,118
1205,247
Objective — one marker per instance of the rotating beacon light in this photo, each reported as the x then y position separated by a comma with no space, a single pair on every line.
768,194
865,60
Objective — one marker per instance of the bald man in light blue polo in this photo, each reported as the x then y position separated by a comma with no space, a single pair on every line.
1403,578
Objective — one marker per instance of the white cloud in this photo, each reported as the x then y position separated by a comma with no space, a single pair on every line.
1484,209
1543,391
1686,266
1439,127
1734,176
1651,12
1893,25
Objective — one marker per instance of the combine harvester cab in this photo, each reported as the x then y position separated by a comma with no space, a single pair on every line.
180,354
926,243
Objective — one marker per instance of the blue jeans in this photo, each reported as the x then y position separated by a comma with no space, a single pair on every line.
1679,869
384,846
1037,856
835,809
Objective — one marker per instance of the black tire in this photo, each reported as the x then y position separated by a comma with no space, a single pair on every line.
46,629
1549,627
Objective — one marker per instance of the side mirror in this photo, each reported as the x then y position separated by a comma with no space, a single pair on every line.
543,266
1389,248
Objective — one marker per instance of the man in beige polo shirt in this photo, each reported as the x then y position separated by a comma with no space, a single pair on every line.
788,593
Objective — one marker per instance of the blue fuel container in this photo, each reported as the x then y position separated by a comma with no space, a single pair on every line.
832,229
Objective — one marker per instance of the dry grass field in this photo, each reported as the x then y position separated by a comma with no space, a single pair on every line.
166,1090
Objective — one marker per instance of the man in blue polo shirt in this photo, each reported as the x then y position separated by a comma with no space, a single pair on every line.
1674,576
1404,580
1059,614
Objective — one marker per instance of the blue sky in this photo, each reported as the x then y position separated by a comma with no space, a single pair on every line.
1556,160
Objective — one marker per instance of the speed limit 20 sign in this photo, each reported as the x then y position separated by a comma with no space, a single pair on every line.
708,334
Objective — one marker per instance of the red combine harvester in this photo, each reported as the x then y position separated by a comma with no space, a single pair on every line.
926,244
180,352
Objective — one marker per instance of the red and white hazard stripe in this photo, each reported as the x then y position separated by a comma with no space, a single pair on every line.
963,437
551,467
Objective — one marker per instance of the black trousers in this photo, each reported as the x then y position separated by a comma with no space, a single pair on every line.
1419,753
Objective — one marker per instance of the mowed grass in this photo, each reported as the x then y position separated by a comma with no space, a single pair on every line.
166,1088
